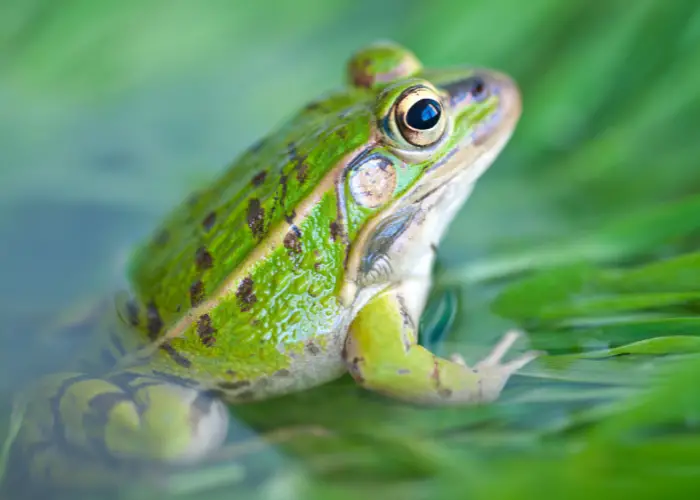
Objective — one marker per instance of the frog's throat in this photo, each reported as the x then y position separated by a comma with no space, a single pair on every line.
412,253
446,187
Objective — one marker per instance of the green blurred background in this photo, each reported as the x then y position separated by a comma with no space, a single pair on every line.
582,233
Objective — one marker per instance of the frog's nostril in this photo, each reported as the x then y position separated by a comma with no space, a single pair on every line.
477,88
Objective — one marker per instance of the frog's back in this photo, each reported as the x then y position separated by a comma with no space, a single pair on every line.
211,234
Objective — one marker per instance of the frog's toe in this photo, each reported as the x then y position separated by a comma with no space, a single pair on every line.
500,350
495,374
522,360
498,353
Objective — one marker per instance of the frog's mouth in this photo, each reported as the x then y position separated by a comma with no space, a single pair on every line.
474,154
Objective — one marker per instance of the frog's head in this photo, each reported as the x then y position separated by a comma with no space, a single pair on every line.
436,131
358,182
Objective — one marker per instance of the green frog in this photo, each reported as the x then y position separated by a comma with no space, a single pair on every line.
309,257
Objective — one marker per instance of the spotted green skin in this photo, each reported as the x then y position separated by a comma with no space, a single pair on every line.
288,297
250,287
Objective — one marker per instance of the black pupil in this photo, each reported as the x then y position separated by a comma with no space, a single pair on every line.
423,115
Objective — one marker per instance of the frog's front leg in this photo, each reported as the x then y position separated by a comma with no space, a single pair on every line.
382,354
78,429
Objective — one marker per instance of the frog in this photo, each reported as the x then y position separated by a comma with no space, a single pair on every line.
308,258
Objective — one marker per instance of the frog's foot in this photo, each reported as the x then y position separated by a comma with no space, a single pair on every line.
383,355
495,374
80,430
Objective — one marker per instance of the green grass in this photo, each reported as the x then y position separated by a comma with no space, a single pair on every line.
584,233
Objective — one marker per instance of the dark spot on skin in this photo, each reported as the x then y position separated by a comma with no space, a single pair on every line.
239,384
335,230
290,217
407,322
209,221
203,259
282,373
162,237
443,392
312,349
283,188
354,369
279,197
205,330
154,322
132,312
292,241
176,356
197,293
299,163
302,169
256,217
435,375
259,178
244,294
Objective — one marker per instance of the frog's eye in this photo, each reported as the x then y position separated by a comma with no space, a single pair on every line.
419,116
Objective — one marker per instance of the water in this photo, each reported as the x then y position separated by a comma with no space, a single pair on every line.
109,116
